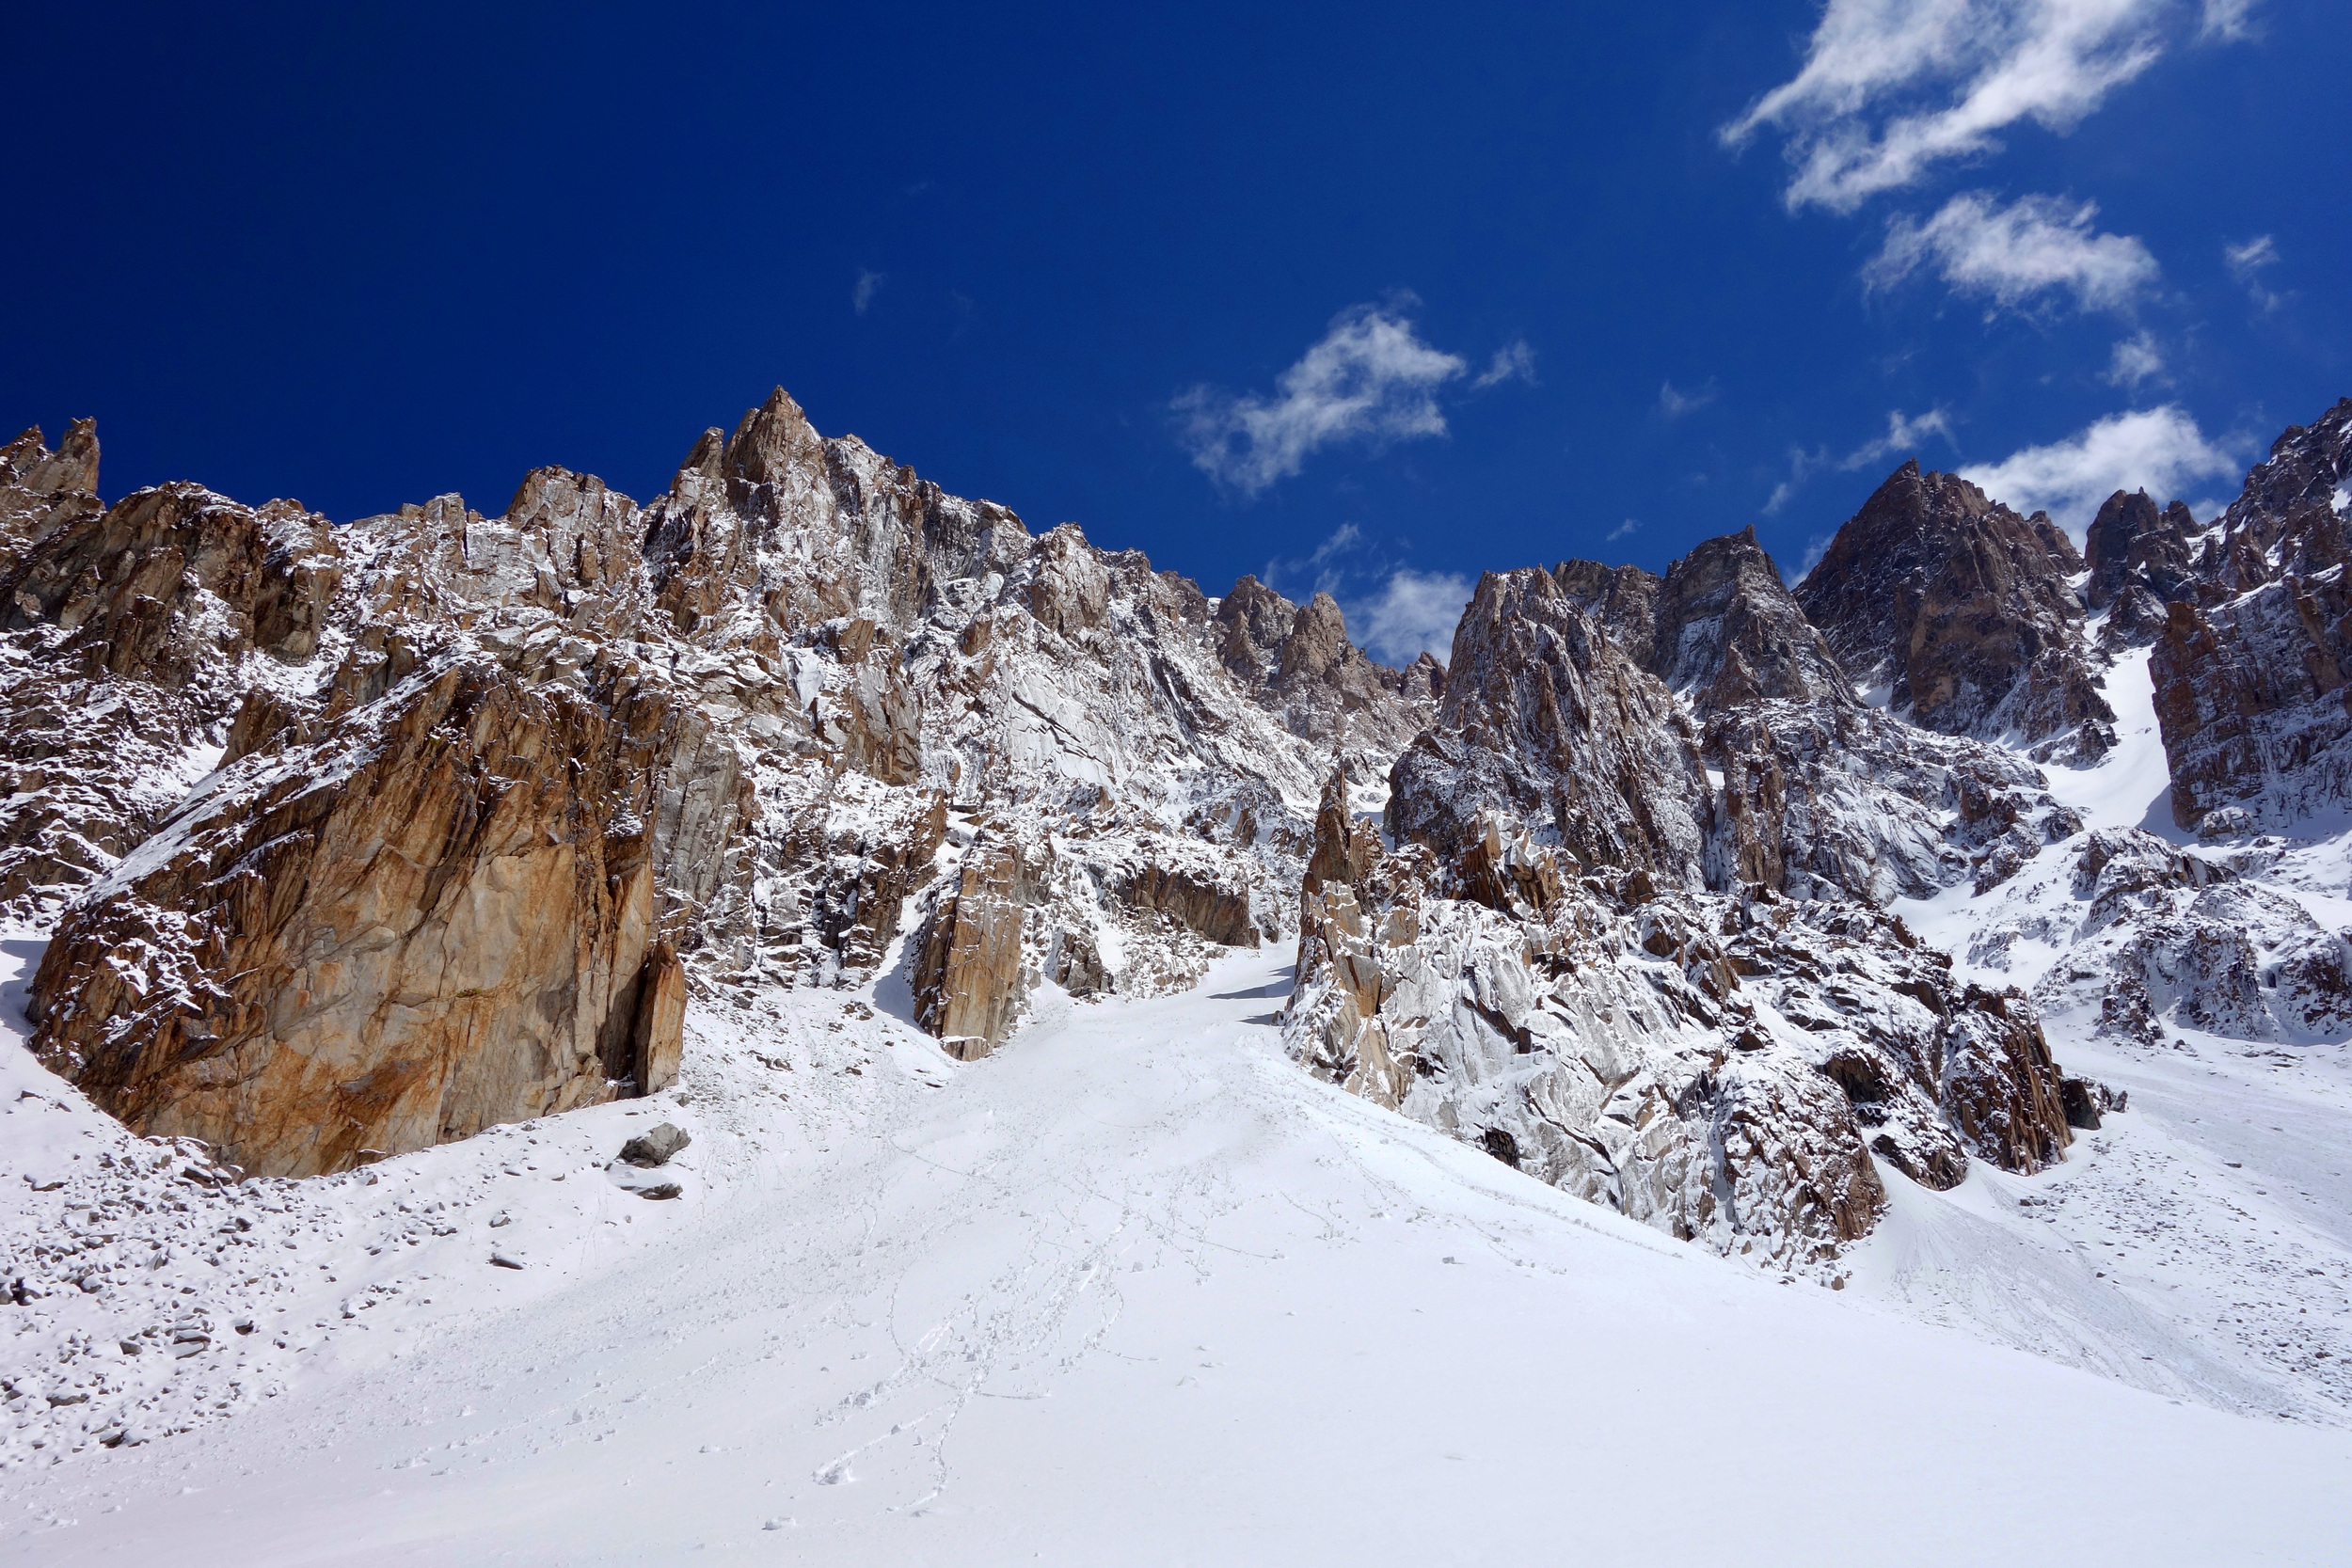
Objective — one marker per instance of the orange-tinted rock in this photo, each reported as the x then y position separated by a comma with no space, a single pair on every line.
438,917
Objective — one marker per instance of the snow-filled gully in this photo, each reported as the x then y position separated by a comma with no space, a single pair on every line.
1136,1289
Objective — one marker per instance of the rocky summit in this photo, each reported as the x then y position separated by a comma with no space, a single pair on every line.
357,838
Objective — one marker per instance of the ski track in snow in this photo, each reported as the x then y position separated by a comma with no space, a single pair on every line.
1135,1290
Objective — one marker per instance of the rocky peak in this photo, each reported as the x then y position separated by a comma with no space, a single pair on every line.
1721,626
42,491
2251,677
1624,599
2141,559
1296,661
28,465
2293,518
1545,717
1254,622
1961,611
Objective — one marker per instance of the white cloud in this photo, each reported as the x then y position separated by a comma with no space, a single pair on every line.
1323,561
2227,21
1673,403
1891,88
1904,435
1371,378
1413,613
2012,253
1629,525
2246,263
2137,361
868,285
2159,449
1512,361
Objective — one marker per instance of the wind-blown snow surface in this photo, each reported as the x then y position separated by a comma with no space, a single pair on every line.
1132,1290
2198,1244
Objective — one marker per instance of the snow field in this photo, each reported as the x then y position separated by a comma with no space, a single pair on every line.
1135,1290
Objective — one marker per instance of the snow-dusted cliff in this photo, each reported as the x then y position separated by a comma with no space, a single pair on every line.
1789,925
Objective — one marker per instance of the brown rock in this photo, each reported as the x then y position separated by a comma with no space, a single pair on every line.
1547,719
444,920
1959,609
968,980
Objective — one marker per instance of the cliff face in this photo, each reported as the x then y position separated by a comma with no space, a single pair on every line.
128,635
1296,660
437,916
1546,716
406,827
2141,560
1958,611
1631,939
1718,627
362,837
2251,664
1727,1068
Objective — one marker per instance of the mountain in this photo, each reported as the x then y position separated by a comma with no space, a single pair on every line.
473,795
2250,667
1962,613
1827,929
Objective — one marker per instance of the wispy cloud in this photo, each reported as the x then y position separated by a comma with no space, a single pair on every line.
1890,89
1512,361
1320,565
1673,403
1413,613
1371,378
2011,253
1625,529
2160,449
2227,21
868,285
1904,435
2136,362
2246,263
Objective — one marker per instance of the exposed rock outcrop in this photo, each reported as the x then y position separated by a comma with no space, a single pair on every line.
131,633
492,791
1959,611
439,916
1815,794
1538,969
1718,627
2141,560
2251,684
1722,1067
1296,661
1546,716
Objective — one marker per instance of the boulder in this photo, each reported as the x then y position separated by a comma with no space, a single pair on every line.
655,1146
439,916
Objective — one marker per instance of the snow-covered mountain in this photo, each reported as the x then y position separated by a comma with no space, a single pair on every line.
372,881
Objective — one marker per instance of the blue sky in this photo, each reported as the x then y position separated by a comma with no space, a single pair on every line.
1370,297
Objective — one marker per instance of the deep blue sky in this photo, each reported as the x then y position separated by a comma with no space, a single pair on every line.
361,255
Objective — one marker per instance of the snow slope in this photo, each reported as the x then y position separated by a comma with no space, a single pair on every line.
1134,1291
2200,1244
